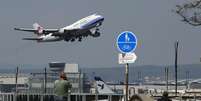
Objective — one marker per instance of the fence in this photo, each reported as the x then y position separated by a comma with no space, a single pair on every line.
49,97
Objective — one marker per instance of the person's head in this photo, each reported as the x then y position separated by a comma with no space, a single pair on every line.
135,98
165,94
63,76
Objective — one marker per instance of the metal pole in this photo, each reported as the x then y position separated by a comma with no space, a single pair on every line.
126,81
79,97
187,78
176,55
16,78
167,74
139,77
167,78
45,81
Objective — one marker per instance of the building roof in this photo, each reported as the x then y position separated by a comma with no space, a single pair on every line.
71,68
11,80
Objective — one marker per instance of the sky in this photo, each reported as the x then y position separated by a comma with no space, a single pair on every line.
155,24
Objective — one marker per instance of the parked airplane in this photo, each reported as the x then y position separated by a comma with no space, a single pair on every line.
101,87
88,26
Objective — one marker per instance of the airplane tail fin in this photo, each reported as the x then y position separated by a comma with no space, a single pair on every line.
39,28
102,88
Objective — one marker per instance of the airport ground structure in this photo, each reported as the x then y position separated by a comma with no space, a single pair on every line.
51,97
43,82
39,86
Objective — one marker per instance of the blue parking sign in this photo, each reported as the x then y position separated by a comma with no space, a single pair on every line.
126,42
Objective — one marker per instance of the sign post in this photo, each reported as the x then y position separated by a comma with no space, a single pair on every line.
126,43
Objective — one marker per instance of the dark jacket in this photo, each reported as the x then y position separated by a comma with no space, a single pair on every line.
164,99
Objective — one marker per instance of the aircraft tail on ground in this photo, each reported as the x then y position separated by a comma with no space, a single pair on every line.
102,88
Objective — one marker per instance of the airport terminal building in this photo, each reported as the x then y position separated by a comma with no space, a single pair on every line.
43,82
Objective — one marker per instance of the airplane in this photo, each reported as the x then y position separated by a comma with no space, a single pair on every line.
81,28
101,87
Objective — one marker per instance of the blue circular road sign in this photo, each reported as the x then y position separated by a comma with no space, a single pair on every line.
126,42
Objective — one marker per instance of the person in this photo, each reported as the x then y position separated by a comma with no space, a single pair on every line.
62,88
135,98
164,97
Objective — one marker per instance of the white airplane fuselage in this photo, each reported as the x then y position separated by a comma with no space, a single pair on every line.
85,23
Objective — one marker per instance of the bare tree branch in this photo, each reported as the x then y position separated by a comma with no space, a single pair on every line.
190,12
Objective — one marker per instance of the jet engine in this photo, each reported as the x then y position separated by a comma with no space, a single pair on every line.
49,37
96,33
61,30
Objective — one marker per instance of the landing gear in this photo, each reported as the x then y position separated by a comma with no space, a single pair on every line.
96,33
72,40
97,29
66,39
80,39
99,24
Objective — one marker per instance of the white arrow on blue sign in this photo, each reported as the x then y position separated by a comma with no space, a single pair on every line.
126,42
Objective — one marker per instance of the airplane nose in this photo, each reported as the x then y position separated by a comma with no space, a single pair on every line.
102,18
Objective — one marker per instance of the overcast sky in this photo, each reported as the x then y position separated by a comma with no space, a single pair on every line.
153,22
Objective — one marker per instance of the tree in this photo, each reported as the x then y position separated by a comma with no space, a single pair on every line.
190,12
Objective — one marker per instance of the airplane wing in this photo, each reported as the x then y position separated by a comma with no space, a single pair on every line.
25,29
37,39
45,31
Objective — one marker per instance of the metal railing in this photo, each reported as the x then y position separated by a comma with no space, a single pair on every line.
50,97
